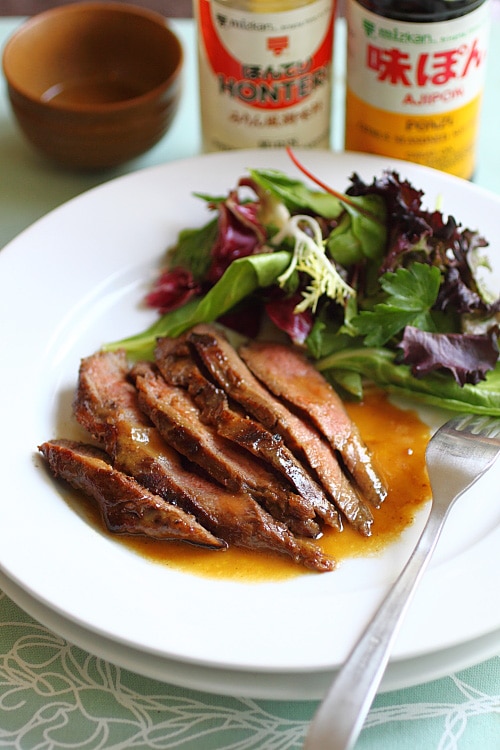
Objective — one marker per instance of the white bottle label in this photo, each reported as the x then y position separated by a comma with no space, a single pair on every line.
265,78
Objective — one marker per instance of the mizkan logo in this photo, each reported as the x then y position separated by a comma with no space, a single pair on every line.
242,23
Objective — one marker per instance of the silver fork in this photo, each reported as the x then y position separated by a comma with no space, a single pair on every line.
458,454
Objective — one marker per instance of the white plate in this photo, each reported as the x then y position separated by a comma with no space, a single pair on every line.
249,684
75,280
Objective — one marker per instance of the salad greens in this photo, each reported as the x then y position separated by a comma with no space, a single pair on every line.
375,287
243,277
309,257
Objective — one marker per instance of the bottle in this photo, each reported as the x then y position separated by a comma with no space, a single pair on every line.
265,70
415,76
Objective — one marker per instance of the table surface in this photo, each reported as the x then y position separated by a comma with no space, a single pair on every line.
56,695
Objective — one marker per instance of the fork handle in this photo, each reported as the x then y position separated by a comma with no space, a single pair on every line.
340,717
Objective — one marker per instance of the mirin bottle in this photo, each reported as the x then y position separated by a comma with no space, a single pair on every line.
265,72
415,75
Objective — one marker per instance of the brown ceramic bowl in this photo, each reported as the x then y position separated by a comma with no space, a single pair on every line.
94,84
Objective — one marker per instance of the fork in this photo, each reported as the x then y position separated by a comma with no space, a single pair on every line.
457,455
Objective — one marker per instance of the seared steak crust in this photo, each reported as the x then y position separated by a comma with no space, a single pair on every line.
288,374
232,373
178,367
171,432
125,505
106,404
178,420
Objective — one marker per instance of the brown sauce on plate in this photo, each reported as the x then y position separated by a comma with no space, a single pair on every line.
397,439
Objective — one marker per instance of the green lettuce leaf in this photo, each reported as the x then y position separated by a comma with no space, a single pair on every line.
296,196
361,231
378,365
411,293
192,250
240,280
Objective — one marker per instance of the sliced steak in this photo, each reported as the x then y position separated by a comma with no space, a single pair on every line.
233,374
106,404
126,506
105,400
178,367
178,420
290,375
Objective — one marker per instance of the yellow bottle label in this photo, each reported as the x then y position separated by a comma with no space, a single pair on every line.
414,90
265,78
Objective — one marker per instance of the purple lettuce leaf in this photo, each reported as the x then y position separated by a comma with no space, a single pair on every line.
467,356
240,234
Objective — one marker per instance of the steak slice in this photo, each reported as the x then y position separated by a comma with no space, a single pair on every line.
104,398
177,366
178,421
126,506
106,405
233,374
290,375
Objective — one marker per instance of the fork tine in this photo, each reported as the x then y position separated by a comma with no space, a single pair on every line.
460,423
485,426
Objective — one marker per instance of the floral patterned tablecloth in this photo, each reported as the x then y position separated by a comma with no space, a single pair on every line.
55,696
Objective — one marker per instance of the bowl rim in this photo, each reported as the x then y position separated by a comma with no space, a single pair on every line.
84,6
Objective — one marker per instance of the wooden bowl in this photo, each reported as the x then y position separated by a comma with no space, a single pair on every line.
94,84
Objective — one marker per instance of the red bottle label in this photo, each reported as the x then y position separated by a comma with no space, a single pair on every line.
265,78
